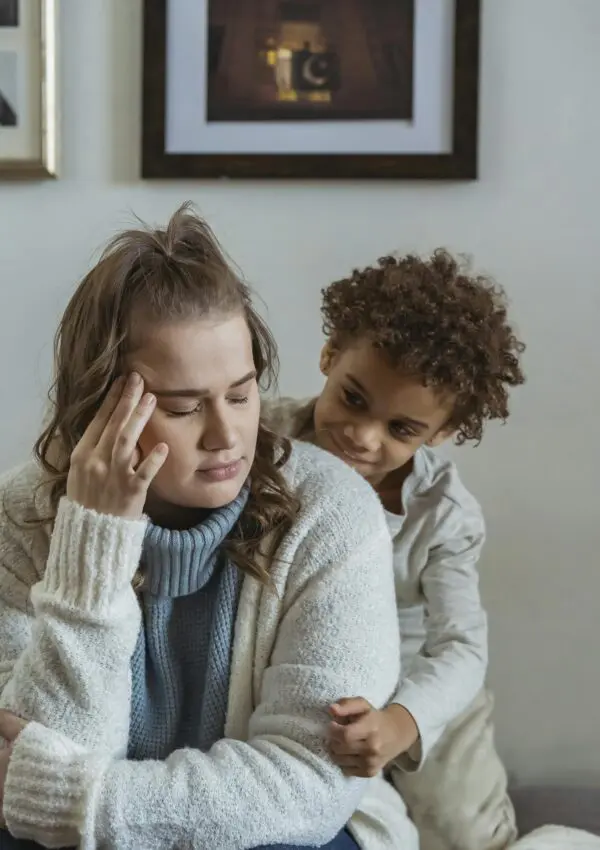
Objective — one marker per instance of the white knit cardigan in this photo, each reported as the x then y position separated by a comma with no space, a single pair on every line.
68,625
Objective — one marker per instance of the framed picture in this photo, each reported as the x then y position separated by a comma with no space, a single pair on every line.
311,89
28,120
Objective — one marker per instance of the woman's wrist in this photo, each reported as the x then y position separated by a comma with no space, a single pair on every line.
93,558
47,782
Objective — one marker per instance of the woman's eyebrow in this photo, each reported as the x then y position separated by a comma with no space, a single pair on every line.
190,392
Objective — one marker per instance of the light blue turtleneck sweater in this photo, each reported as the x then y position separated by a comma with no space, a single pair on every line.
180,666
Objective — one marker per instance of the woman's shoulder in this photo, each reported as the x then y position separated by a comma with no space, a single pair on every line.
24,538
22,495
332,494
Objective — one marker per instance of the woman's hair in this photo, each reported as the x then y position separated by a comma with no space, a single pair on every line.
433,319
153,275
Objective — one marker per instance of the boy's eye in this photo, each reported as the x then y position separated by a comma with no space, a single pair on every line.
353,399
239,400
401,431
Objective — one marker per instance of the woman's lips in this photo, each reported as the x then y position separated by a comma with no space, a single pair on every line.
222,472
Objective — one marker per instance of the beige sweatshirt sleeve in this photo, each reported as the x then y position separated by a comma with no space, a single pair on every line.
448,673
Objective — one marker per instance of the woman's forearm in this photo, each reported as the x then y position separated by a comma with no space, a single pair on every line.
65,661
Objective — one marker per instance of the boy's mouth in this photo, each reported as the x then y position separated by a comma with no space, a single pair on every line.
346,452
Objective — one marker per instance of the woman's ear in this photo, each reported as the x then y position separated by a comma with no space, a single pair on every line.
327,356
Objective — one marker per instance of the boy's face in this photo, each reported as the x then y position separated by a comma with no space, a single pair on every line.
372,416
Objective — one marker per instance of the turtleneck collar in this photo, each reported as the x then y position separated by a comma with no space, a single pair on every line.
178,563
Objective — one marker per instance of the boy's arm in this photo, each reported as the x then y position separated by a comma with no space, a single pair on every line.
450,670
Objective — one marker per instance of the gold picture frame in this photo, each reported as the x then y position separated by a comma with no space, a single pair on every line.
28,71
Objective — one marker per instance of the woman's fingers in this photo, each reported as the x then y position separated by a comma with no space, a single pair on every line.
125,453
149,467
95,429
130,398
108,474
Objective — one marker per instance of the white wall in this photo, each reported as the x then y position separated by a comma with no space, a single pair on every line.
532,220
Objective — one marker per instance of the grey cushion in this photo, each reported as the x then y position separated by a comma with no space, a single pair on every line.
537,806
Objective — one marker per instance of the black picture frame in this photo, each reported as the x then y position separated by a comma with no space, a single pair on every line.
460,164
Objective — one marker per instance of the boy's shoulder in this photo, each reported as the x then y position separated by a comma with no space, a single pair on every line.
437,489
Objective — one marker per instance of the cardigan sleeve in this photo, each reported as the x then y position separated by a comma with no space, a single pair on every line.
66,639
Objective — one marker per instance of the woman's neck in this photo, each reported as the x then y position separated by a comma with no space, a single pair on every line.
173,517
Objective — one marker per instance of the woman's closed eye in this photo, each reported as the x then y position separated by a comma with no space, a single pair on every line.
179,413
237,401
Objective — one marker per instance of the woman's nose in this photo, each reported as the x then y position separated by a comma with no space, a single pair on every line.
218,433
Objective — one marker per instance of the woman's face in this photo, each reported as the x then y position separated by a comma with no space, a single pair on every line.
203,376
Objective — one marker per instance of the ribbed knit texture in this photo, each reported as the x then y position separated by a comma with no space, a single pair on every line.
56,799
180,666
108,548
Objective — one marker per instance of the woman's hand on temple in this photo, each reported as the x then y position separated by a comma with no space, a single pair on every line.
104,474
364,740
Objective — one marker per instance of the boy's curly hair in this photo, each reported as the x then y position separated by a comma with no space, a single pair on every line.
434,319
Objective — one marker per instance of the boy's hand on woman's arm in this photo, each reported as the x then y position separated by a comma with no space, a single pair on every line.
363,740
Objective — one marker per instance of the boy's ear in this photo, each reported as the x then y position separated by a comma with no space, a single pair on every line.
327,356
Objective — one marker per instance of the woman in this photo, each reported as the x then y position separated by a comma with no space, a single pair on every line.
183,595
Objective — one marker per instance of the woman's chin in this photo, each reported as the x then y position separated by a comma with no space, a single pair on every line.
218,495
178,507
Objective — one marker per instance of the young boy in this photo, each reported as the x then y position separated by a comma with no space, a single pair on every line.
419,351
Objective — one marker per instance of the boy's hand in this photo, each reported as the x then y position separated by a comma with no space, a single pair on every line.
363,740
